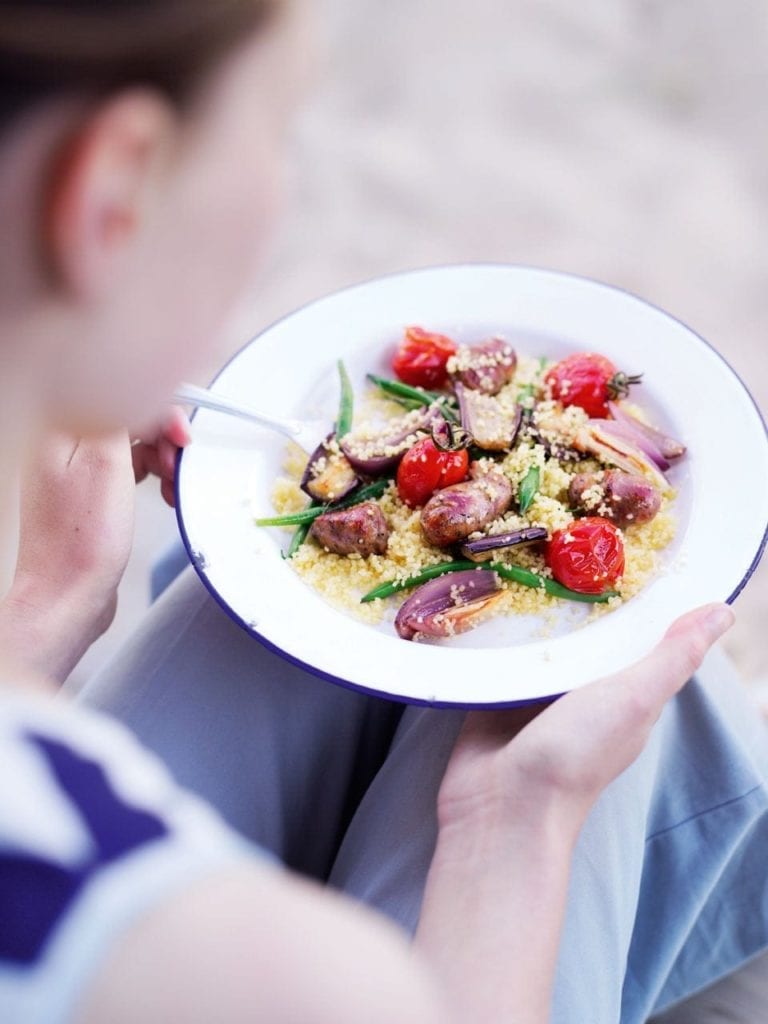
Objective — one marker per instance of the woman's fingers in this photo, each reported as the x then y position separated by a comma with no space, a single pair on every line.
638,692
647,686
176,428
156,455
168,492
587,738
166,457
145,461
570,751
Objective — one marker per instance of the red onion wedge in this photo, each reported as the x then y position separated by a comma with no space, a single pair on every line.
492,426
328,475
484,547
667,446
626,432
448,605
377,453
597,438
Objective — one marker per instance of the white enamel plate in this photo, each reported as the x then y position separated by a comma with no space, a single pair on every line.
290,370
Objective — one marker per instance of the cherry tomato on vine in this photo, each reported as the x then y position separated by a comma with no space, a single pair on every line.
421,357
424,469
590,381
587,556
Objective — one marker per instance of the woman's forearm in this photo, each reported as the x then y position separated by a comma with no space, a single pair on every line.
47,630
493,912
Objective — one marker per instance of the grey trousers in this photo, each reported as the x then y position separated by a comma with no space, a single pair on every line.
669,886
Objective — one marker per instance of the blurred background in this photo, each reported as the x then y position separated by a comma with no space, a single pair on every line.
619,139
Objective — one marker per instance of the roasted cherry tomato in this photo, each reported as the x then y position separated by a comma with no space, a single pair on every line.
420,360
590,381
587,556
425,468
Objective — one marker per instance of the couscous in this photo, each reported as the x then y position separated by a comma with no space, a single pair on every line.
508,484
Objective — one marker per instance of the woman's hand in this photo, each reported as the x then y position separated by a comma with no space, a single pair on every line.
528,758
76,519
76,531
77,512
156,455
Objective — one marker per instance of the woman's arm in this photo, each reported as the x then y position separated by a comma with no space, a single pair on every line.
44,632
517,790
493,912
76,518
76,531
256,944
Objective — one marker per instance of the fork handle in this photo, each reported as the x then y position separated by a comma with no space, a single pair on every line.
191,394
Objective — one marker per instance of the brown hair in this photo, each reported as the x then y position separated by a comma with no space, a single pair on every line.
51,47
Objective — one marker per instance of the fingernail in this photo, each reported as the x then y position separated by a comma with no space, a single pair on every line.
719,619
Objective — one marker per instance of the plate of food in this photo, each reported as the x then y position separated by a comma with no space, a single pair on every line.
525,477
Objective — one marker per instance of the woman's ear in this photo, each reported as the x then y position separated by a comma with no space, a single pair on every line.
100,187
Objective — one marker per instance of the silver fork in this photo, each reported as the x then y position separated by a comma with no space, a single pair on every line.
306,433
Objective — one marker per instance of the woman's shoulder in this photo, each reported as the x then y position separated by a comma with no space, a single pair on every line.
80,786
93,831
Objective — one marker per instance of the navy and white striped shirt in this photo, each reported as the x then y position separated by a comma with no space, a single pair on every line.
93,832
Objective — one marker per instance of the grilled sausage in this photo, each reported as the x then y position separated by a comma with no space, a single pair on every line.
486,367
455,512
625,498
361,528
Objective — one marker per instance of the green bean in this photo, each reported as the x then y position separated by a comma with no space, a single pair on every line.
529,487
448,413
311,512
510,572
407,403
304,515
412,398
300,535
430,573
531,579
346,403
399,390
528,391
372,490
525,399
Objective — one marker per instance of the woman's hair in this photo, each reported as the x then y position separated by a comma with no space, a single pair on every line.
55,47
